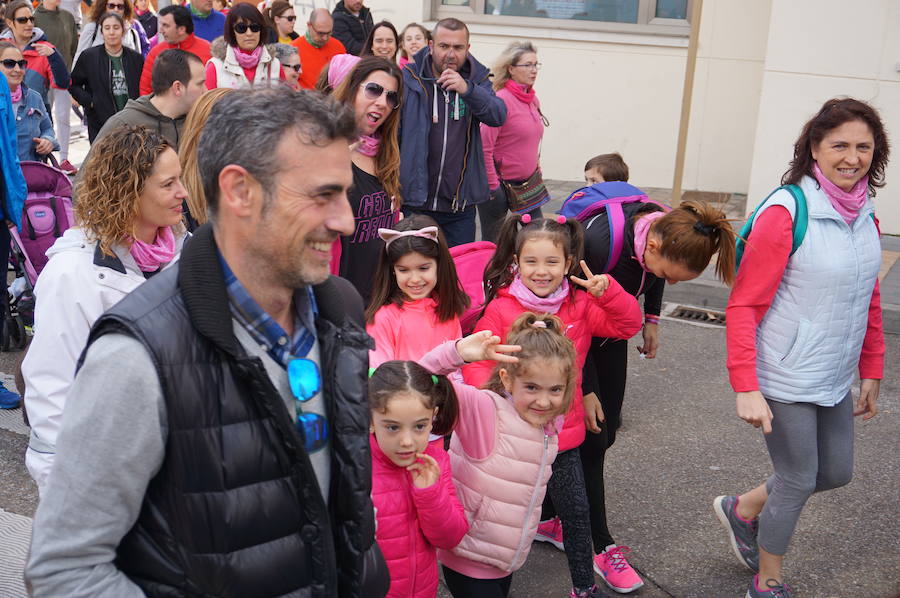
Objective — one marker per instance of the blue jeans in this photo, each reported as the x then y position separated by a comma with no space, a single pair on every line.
458,227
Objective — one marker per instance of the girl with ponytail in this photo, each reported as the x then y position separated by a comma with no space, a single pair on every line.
535,262
658,247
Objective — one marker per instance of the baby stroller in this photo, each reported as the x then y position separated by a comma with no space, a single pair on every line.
46,215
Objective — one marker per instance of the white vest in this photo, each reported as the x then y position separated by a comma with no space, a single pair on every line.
809,342
230,74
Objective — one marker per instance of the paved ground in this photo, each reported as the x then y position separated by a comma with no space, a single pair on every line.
681,445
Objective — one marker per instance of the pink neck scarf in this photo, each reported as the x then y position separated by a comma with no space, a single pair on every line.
150,256
542,305
846,203
16,94
248,60
520,92
369,144
641,230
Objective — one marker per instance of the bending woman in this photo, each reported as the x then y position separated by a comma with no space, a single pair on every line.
800,325
129,228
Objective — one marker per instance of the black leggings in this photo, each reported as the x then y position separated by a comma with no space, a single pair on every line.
492,212
610,360
463,586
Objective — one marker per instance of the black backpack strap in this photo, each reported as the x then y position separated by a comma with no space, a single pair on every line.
338,300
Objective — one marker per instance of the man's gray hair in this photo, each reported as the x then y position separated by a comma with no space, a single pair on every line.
283,51
245,127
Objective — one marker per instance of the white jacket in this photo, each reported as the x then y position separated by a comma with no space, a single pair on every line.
230,74
76,286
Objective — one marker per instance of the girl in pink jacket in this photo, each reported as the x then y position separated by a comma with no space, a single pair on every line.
531,271
416,299
412,489
503,447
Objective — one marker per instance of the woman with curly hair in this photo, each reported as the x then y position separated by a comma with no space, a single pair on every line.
195,203
128,218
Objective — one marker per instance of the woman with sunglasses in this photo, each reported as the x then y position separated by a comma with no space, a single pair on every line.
129,228
240,60
134,37
289,57
282,17
372,89
35,137
45,65
106,77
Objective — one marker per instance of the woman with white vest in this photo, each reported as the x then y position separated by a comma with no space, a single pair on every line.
803,318
243,61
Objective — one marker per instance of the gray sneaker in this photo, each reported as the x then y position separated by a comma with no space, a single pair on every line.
773,590
741,533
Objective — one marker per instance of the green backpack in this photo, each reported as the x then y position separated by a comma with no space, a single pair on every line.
799,224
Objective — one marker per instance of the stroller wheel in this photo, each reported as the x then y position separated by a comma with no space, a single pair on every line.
6,337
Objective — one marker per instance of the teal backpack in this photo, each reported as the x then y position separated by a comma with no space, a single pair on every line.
799,224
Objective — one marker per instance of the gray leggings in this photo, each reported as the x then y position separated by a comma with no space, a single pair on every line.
812,450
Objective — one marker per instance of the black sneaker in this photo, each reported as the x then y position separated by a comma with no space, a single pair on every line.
773,590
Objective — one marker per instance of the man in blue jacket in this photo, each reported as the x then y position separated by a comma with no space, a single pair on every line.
447,94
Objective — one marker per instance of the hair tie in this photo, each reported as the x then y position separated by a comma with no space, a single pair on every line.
704,229
389,236
561,219
526,218
539,324
372,371
434,379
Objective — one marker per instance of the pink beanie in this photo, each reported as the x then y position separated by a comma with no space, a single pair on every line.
338,68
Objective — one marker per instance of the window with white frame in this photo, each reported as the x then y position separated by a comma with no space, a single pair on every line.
663,17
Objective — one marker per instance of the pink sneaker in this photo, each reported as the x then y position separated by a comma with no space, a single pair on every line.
615,570
550,531
67,168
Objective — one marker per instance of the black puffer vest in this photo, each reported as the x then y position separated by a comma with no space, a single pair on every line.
236,509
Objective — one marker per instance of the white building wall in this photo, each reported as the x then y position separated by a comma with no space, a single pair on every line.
819,49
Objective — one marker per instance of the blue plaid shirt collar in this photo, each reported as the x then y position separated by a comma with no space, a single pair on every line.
264,329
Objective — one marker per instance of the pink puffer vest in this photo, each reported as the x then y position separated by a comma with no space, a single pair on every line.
502,494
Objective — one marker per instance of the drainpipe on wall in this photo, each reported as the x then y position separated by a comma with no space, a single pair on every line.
687,94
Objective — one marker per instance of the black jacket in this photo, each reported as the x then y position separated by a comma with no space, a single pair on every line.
350,30
92,84
236,508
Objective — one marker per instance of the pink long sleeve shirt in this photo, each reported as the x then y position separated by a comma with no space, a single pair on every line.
514,147
409,331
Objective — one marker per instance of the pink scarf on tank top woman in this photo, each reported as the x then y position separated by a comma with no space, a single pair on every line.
542,305
641,230
846,203
520,92
150,256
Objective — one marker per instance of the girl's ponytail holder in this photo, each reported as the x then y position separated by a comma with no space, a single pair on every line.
539,324
372,371
561,219
525,218
434,379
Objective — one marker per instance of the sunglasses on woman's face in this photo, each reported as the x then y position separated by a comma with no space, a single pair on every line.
23,20
290,19
297,68
115,6
374,90
9,63
243,27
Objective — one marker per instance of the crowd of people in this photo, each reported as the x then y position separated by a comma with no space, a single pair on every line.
265,228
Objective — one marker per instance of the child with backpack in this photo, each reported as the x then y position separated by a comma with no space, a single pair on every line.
416,296
530,271
642,245
504,444
416,505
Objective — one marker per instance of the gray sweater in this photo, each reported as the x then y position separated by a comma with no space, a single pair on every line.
111,445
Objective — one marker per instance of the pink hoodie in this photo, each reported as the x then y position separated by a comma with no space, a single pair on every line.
409,331
412,521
